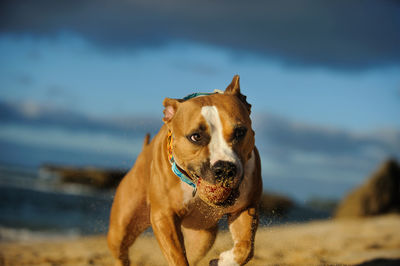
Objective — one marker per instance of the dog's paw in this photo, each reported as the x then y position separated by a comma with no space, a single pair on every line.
214,262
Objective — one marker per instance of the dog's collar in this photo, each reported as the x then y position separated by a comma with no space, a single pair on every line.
178,171
196,94
185,177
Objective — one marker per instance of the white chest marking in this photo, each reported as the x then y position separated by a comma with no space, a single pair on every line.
219,149
187,193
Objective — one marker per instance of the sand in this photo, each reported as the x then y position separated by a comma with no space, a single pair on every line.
368,241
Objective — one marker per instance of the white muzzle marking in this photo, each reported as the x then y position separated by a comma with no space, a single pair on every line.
219,149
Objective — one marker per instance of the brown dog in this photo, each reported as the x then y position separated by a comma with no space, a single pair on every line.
200,166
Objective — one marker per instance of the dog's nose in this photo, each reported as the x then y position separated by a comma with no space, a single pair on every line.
224,169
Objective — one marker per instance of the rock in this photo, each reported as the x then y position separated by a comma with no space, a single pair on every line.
322,204
274,204
378,195
92,176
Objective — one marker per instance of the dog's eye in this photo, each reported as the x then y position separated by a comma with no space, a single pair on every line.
199,138
239,133
196,137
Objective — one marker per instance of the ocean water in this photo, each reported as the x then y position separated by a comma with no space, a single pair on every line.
28,202
31,205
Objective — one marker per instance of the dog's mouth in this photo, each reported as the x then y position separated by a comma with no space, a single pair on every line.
222,193
216,192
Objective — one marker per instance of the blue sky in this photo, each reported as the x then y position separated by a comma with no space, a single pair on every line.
70,73
80,82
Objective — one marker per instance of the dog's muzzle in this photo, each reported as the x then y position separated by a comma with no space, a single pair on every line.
224,172
223,190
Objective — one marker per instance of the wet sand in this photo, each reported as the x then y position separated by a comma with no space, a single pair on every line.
368,241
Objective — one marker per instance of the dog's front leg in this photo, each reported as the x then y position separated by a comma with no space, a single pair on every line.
167,229
243,226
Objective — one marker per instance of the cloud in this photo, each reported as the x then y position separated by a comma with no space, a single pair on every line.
304,137
32,134
24,79
283,141
33,114
56,138
61,96
298,158
303,151
337,34
277,137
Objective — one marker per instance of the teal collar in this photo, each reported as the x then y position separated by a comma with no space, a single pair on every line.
175,168
178,171
197,94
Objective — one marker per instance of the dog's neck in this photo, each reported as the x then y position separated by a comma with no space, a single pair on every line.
178,171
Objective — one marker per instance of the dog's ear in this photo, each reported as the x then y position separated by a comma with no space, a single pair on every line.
171,105
234,88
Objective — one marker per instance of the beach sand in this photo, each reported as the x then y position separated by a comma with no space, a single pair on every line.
367,241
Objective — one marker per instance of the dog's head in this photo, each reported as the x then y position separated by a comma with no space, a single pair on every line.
213,137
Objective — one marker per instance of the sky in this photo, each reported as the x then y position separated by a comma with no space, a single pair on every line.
323,78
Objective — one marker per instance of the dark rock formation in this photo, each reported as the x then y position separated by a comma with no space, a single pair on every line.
275,205
378,195
92,176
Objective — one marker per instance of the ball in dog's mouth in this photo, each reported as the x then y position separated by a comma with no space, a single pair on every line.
213,194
